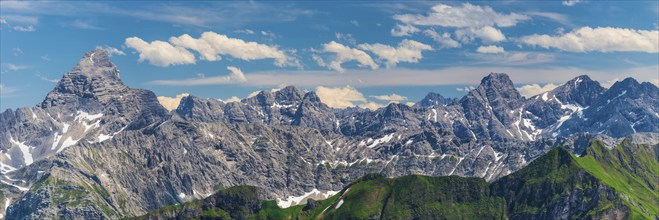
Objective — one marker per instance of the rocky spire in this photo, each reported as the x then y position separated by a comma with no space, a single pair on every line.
94,77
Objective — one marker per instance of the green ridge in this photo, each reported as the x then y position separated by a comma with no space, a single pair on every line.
617,183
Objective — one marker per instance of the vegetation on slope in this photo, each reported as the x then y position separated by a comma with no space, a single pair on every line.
616,184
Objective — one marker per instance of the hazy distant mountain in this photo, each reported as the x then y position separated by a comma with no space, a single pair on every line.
95,148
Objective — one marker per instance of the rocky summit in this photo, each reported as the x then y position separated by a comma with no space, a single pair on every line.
98,149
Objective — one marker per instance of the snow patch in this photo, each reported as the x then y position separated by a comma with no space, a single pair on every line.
277,105
67,143
58,137
102,137
28,158
381,140
408,142
339,204
456,166
17,186
297,200
6,168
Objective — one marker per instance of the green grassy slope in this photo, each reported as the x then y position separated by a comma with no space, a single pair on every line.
632,170
617,184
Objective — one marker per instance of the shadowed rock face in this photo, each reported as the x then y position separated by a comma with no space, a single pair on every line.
115,151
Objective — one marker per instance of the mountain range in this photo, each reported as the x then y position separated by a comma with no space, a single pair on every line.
557,185
97,149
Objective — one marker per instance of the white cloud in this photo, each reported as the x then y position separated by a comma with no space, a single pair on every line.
407,51
344,54
513,58
401,30
444,39
348,38
466,15
487,34
28,28
47,79
490,49
16,67
468,74
17,51
244,31
80,24
560,18
371,105
4,90
465,89
339,97
571,2
600,39
111,50
530,90
392,98
211,46
45,57
160,53
354,22
232,99
171,103
236,76
20,19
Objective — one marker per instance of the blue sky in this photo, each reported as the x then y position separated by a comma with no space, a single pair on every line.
352,53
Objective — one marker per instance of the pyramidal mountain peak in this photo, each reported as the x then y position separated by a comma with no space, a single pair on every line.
286,141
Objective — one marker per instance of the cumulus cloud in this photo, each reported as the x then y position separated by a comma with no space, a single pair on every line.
466,15
111,50
465,89
402,30
471,22
534,89
490,49
407,51
444,39
571,2
371,105
487,34
236,76
160,53
211,46
600,39
171,103
232,99
344,54
392,98
339,97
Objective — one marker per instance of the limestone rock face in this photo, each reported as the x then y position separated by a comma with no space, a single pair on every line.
95,148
